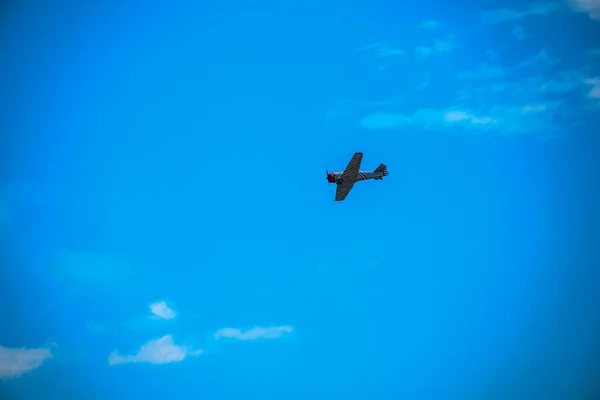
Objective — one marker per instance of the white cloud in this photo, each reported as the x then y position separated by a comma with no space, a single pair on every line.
158,351
162,310
595,91
509,14
533,118
430,24
425,118
462,116
254,333
518,33
534,108
591,7
454,116
15,362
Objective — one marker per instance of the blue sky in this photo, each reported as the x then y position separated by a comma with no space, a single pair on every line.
167,230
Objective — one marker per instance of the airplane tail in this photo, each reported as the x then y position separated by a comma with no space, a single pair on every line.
381,168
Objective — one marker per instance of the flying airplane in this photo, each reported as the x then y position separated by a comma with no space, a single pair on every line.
345,180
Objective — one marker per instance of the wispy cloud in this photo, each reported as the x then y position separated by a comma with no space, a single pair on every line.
380,50
501,15
543,8
534,108
534,118
162,310
591,7
383,67
536,96
423,51
455,116
559,84
530,79
425,118
429,24
491,54
482,71
439,46
530,97
254,333
386,120
96,327
518,33
540,61
594,93
15,362
158,351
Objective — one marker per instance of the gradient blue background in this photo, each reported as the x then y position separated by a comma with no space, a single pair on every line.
178,152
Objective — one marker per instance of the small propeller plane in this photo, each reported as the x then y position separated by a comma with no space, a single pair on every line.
345,180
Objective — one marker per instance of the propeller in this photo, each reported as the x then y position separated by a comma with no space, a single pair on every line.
327,173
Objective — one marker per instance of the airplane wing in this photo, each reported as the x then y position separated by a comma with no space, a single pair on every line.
349,177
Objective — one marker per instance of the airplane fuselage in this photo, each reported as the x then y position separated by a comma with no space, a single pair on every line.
362,176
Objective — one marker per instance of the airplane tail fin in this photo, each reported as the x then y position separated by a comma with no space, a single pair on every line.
382,168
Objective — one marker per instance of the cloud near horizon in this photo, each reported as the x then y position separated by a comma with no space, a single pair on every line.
272,332
157,351
15,362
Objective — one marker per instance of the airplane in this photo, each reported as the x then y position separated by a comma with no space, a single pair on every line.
345,180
